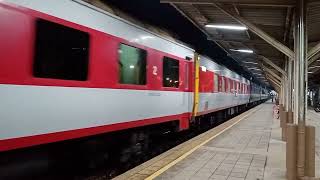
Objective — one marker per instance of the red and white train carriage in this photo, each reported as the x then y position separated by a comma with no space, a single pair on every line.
71,70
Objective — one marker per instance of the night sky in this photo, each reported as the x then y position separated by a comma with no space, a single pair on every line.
165,16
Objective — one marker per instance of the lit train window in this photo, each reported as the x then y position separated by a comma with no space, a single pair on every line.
231,85
223,85
227,85
170,72
60,52
216,83
132,65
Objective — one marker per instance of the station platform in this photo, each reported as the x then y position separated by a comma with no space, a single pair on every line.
247,147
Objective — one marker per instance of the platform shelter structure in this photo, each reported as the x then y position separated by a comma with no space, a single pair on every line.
278,42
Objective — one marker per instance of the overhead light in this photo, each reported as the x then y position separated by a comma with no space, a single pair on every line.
228,27
254,69
310,72
242,50
248,62
131,66
146,37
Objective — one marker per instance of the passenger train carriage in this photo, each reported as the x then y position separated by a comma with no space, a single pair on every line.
70,70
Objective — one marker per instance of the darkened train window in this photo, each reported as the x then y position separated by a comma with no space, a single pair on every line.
170,72
132,65
60,52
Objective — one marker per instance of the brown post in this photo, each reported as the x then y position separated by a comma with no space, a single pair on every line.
281,110
290,117
310,151
283,124
291,152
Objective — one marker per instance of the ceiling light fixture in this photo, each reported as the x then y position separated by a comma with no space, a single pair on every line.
248,62
254,69
242,50
257,73
228,27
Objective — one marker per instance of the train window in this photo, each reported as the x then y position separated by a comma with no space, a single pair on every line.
227,85
170,72
60,52
186,78
231,85
223,85
132,65
237,87
216,82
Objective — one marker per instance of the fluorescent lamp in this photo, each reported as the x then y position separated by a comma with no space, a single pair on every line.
248,62
242,50
131,66
229,27
146,37
310,72
254,69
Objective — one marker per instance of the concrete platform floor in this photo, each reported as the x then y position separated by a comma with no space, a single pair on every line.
250,149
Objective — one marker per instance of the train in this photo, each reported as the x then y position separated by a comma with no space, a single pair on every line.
70,71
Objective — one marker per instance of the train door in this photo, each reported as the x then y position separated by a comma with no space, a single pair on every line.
186,77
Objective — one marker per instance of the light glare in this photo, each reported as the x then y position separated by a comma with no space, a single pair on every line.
229,27
248,62
242,50
203,68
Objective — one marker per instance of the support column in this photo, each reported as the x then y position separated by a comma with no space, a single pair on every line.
289,93
286,88
284,114
300,83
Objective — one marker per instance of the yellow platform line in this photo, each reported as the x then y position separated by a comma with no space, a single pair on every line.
163,169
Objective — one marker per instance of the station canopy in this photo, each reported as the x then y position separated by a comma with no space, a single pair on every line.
257,33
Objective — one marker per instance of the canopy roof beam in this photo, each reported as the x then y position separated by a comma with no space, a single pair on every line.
269,71
313,54
269,39
274,81
269,62
270,3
